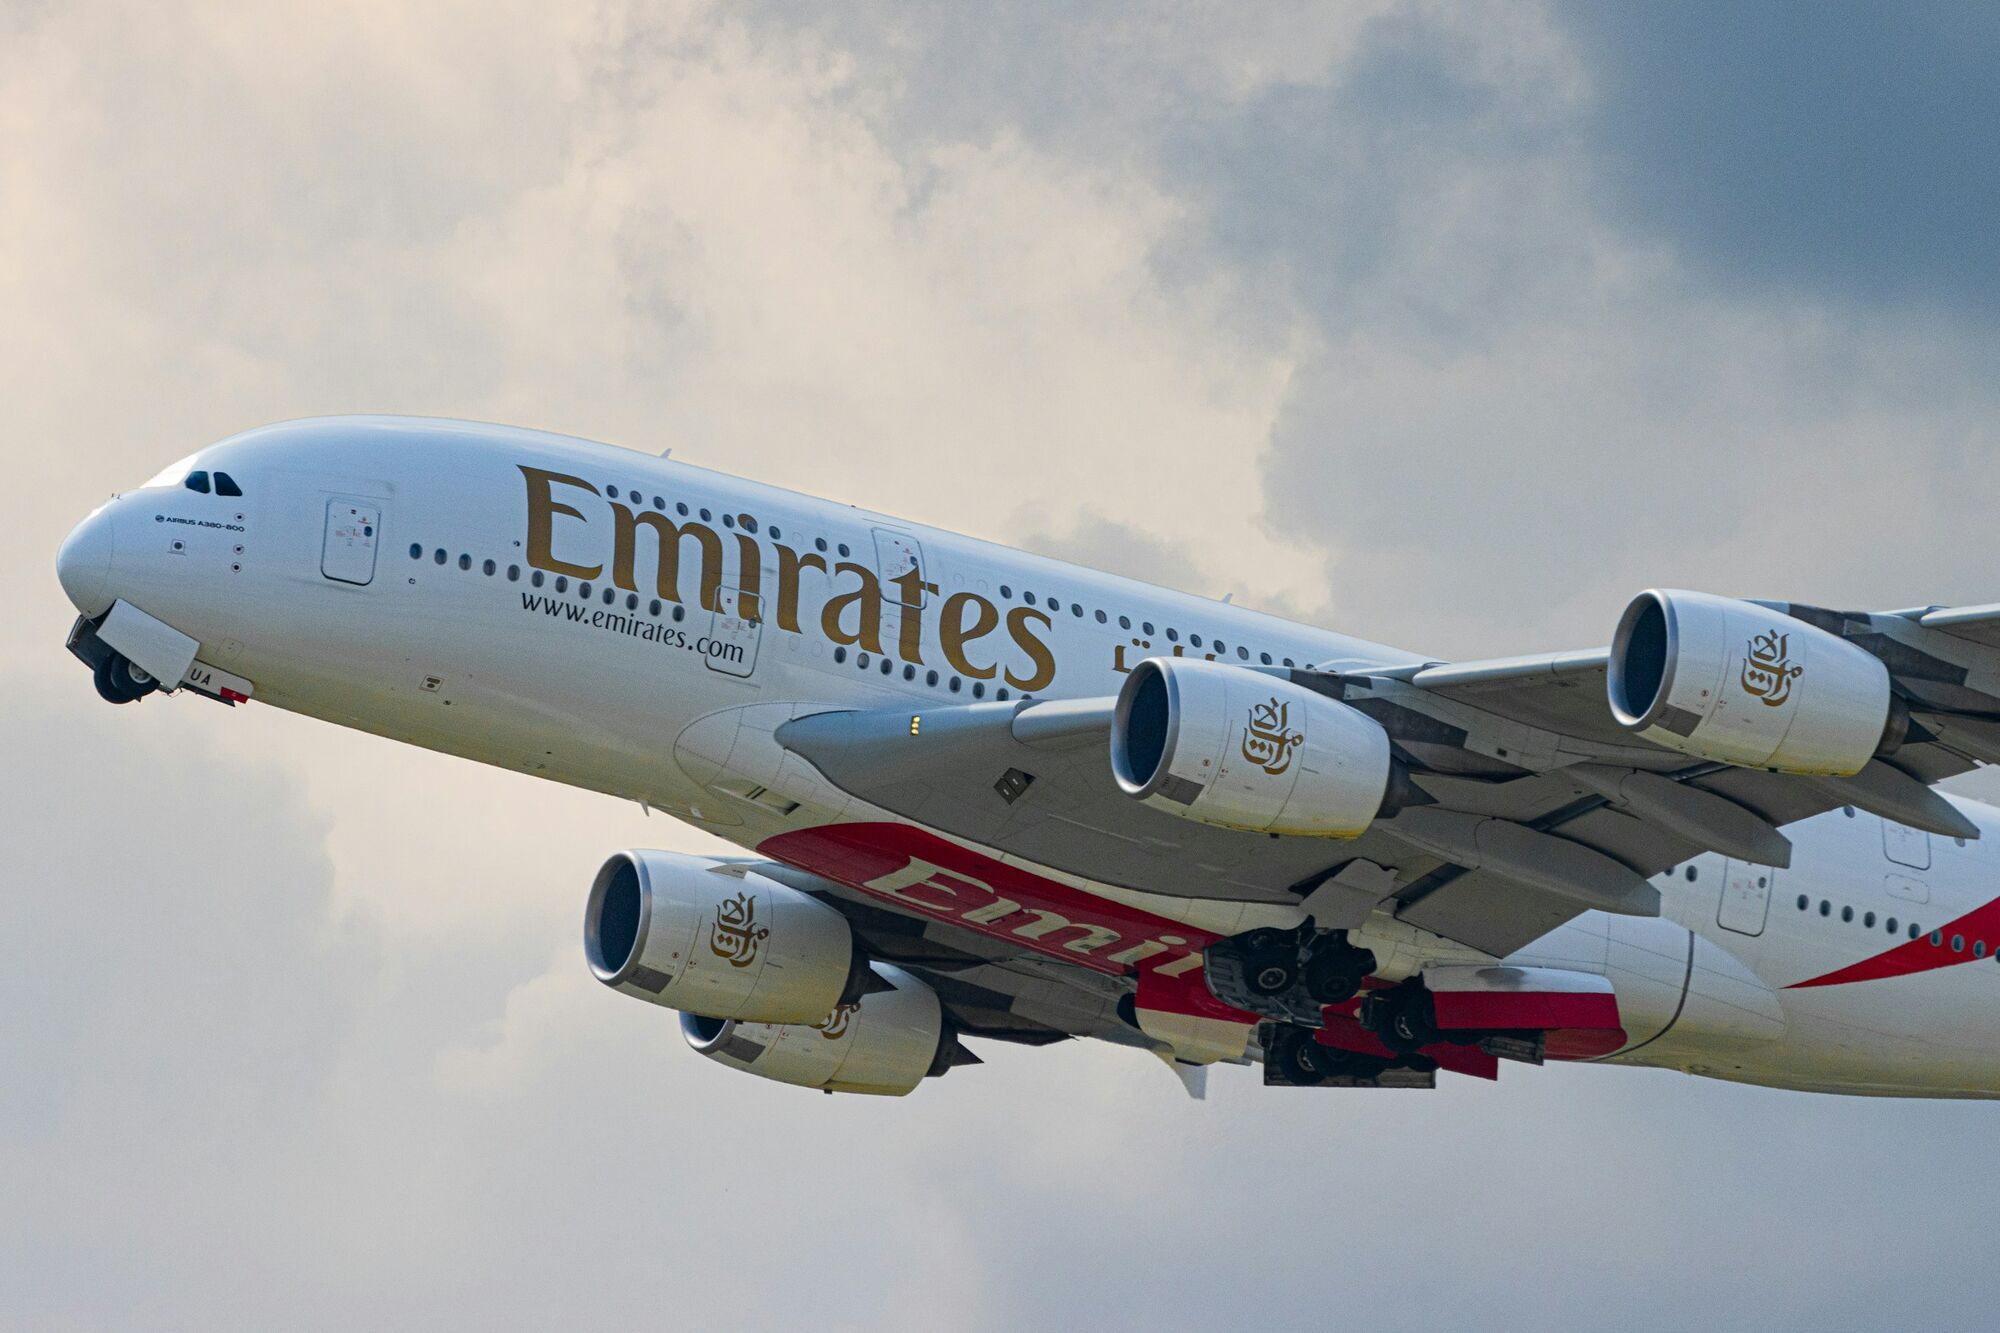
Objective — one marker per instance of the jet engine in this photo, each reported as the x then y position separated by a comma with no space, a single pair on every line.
1742,684
1245,750
700,936
886,1043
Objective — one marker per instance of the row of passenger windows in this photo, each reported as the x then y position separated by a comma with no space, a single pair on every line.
1868,919
537,579
1917,931
634,496
1889,924
1217,646
887,667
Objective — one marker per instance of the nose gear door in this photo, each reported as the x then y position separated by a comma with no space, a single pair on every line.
353,529
1746,897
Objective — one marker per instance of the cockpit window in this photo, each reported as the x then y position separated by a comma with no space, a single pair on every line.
226,485
197,481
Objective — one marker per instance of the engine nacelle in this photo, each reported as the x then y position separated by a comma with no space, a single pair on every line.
1742,684
678,931
1245,750
886,1043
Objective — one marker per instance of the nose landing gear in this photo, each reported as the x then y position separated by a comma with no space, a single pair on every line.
121,681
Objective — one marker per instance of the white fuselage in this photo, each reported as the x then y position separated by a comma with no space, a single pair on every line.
511,597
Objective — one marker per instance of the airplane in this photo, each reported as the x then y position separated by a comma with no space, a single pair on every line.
982,795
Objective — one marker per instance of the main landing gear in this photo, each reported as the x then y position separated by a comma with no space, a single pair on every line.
1403,1017
1290,975
1295,1057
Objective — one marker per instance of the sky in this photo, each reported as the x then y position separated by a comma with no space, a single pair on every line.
1450,326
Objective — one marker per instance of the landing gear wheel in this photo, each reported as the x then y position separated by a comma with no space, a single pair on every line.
128,676
1294,1054
106,689
1270,962
1402,1019
120,682
1335,972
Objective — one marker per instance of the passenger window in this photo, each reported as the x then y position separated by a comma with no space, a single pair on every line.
198,481
226,485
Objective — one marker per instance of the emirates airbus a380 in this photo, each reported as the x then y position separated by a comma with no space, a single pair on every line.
983,795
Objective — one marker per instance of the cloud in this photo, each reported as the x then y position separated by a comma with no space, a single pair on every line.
1350,310
1836,158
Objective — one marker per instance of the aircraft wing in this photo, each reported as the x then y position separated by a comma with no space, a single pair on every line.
1530,803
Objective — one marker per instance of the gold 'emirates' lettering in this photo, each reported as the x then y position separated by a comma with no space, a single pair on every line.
542,509
851,615
1024,638
910,617
790,562
867,601
668,536
954,633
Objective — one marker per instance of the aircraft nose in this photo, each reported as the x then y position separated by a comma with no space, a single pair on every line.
83,565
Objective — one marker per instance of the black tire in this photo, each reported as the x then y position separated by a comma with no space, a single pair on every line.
1333,1062
108,689
1294,1054
1412,1019
1271,969
1335,974
130,680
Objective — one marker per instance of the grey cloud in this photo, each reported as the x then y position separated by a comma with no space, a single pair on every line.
232,1095
1116,548
1841,152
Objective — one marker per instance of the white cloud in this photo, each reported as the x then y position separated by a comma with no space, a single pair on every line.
299,1030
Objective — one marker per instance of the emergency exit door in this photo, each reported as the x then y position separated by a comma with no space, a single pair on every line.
733,634
353,528
1746,897
896,554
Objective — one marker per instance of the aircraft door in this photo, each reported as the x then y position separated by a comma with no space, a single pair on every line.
1746,897
733,635
896,554
1906,846
353,530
